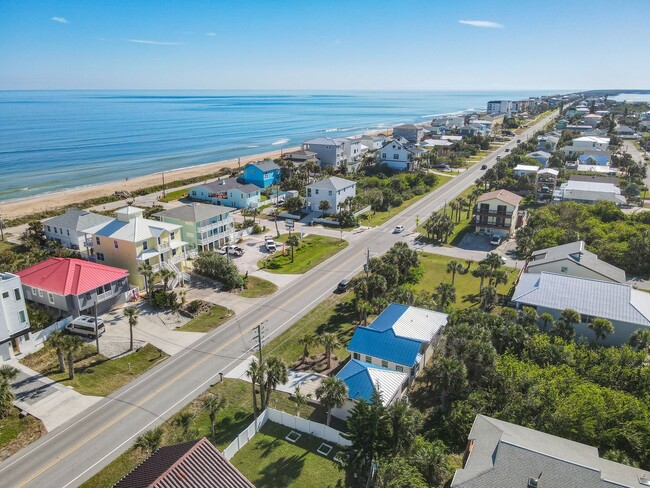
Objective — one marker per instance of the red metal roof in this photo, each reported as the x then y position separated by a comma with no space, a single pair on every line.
69,276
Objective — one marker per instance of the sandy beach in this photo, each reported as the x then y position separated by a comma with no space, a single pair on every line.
18,208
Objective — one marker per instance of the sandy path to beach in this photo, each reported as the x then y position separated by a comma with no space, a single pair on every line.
18,208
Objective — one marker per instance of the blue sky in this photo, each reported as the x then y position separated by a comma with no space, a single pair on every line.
315,45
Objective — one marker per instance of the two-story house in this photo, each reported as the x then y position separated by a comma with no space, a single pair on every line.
130,241
14,322
333,189
69,286
591,142
262,173
67,229
410,132
330,152
203,227
228,192
400,155
496,212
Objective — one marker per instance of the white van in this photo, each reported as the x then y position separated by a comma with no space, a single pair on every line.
85,325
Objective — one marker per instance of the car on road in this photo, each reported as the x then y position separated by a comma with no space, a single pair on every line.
507,150
496,239
518,141
484,166
270,244
235,250
398,229
343,286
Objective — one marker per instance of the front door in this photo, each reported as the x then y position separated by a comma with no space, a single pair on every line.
15,344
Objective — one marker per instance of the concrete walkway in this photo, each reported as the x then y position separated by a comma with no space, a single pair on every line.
47,400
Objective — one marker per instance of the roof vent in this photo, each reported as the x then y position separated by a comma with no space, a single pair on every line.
644,481
534,482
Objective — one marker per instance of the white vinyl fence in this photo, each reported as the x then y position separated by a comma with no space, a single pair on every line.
36,339
296,423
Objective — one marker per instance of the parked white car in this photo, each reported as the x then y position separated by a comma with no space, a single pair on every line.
399,229
270,244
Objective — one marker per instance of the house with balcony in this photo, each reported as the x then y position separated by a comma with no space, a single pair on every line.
496,212
400,155
228,192
334,190
72,287
548,142
592,142
67,229
262,173
130,241
373,143
301,157
330,151
204,227
410,132
14,321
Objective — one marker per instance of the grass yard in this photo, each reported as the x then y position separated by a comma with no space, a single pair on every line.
379,218
270,461
313,250
208,321
96,374
467,286
170,196
6,246
16,433
334,314
258,287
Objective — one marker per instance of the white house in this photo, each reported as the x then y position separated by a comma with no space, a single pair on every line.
592,142
14,322
588,192
400,155
592,120
410,132
333,189
334,151
525,169
499,107
373,143
67,229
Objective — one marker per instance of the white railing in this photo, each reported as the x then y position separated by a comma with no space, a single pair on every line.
209,227
104,296
316,429
163,247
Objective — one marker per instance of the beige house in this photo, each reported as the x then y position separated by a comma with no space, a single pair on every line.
497,212
130,241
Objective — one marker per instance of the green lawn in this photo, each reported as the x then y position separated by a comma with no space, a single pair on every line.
16,433
258,287
170,196
334,314
467,286
96,374
6,246
378,218
312,251
270,461
212,319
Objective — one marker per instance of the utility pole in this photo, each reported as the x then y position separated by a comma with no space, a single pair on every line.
96,326
366,267
259,331
163,184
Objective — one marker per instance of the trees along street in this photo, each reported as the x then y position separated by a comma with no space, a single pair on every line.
72,453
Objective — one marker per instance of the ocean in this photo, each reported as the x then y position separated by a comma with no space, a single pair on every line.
57,140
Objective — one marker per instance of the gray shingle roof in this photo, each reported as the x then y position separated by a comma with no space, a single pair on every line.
332,183
195,212
506,455
578,254
77,219
266,165
228,184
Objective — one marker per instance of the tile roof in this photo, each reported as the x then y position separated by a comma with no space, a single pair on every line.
612,301
410,322
332,183
192,464
502,195
69,276
77,219
362,379
195,212
506,455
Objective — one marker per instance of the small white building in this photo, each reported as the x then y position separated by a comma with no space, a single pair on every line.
588,192
524,169
592,120
333,189
591,142
67,229
373,143
14,321
499,107
400,155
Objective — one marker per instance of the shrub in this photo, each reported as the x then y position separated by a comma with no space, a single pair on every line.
219,268
194,306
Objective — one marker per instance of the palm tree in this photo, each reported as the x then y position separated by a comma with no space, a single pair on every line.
454,267
165,276
256,373
564,327
7,373
331,393
498,277
56,340
147,273
72,344
546,319
276,374
601,328
294,242
213,404
131,314
364,308
183,422
300,399
445,294
150,441
405,422
482,271
330,341
324,206
640,340
489,298
306,341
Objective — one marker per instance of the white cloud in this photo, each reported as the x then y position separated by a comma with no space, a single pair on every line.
155,43
60,20
482,23
210,34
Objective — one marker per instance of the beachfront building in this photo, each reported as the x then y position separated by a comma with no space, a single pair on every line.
588,192
400,155
204,227
330,152
626,308
130,241
262,173
72,287
499,107
301,157
410,132
227,192
334,190
373,143
67,229
14,322
496,212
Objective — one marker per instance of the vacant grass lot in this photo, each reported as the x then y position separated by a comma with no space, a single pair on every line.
210,320
96,374
270,461
16,433
312,251
467,286
258,287
170,196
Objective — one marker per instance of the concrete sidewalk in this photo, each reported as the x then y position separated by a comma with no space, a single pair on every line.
47,400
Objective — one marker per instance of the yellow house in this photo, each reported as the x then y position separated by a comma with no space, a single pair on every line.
130,241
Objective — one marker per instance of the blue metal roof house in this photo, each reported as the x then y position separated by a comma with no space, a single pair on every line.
363,379
262,173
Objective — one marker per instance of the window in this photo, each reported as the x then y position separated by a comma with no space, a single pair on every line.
116,245
17,293
316,191
368,359
100,256
383,155
50,298
97,241
395,156
193,193
22,316
384,363
145,245
330,192
40,293
68,232
355,355
48,228
564,269
159,241
171,235
5,294
308,192
399,369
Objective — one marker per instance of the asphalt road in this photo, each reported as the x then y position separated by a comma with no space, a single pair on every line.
75,451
